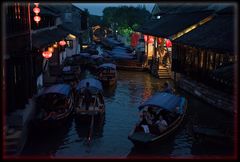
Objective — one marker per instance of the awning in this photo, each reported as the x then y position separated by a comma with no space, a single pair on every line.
47,37
58,88
94,84
217,34
165,101
170,24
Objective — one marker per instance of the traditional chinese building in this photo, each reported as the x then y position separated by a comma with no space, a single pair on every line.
17,55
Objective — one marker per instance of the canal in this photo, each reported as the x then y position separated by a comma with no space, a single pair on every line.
110,137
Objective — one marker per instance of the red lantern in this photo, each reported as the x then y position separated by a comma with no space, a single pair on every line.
37,18
151,40
47,54
36,10
159,40
168,43
145,38
134,39
62,43
51,49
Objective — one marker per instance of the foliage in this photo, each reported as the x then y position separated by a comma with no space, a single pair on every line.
125,18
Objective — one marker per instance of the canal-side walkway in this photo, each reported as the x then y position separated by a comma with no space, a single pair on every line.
212,96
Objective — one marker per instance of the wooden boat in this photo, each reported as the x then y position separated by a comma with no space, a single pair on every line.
54,103
107,74
171,107
71,73
91,131
97,106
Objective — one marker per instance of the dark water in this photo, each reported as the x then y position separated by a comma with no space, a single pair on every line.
110,134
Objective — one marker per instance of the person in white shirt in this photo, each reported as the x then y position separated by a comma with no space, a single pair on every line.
162,124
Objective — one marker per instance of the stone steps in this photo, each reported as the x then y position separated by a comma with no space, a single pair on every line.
163,73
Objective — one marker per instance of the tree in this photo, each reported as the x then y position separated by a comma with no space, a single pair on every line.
125,16
125,19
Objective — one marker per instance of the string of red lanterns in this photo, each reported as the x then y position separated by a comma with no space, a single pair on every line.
48,54
149,39
36,10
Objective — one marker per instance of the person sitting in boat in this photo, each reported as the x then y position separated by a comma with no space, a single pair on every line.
87,95
167,88
144,121
152,115
161,124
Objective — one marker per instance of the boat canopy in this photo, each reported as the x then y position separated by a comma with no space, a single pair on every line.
108,65
165,101
93,84
66,69
85,55
96,56
58,88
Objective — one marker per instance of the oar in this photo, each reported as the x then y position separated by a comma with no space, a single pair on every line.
91,130
91,126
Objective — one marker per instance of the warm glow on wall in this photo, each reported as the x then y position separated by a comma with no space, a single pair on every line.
191,28
145,38
71,36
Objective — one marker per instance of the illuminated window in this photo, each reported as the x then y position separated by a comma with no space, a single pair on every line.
69,44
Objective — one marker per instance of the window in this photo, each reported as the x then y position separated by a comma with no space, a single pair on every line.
69,43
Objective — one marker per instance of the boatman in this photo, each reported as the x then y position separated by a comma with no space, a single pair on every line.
168,88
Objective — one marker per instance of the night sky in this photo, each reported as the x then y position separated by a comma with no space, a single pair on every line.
97,8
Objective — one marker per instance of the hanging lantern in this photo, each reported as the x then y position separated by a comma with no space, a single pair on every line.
159,40
55,45
36,10
134,39
37,19
62,43
151,40
168,43
47,54
51,49
145,38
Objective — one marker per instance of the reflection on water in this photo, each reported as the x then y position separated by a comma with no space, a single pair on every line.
110,137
